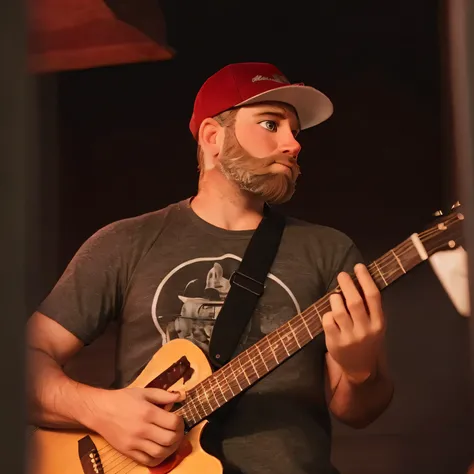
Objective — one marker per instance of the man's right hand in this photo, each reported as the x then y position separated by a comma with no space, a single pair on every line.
133,422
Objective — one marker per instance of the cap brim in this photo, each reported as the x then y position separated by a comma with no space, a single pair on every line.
312,106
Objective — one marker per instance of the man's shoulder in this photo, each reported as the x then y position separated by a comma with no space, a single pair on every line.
142,227
319,233
145,220
329,249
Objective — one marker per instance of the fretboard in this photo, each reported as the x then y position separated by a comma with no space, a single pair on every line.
273,349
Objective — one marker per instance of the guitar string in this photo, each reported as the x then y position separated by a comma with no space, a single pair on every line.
296,329
380,267
234,381
313,312
121,464
124,465
115,456
237,372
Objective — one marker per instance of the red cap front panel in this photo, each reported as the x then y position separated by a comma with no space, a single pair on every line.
232,85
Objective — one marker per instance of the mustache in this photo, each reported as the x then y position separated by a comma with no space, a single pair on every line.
261,166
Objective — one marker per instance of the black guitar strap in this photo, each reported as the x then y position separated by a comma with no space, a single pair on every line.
247,285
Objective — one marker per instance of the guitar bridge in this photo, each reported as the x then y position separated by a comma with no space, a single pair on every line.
89,456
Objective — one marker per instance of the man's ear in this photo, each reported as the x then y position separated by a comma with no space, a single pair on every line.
210,137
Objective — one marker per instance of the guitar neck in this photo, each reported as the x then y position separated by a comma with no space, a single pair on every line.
273,349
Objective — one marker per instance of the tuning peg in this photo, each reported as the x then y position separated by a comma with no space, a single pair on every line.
438,213
455,205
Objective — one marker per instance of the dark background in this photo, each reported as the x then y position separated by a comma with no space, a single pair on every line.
114,142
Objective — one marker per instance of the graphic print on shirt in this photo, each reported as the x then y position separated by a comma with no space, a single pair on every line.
189,299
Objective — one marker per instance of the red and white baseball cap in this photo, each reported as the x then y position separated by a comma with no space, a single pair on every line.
248,83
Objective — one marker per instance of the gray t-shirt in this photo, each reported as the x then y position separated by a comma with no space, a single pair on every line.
165,275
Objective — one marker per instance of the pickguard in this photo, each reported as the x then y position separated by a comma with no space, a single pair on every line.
180,369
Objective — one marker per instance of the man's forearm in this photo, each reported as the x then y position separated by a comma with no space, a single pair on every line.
55,400
358,404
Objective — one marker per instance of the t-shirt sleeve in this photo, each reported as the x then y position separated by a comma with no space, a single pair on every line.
348,259
90,292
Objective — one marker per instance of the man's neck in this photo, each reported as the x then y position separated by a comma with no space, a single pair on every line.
223,205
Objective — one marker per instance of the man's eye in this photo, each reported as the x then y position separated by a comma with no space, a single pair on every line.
269,125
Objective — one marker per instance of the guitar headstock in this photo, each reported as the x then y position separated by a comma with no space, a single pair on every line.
447,231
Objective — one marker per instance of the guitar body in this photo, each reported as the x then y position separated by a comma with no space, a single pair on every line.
57,451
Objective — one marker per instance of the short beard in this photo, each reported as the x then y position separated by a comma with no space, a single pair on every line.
253,174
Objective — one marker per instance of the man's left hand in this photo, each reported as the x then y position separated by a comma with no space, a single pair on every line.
355,329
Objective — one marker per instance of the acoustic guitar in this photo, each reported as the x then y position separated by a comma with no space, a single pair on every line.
180,365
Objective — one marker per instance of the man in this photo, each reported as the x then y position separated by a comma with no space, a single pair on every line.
165,275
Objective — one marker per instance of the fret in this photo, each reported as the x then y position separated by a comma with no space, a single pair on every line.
410,256
249,366
318,313
216,378
394,265
211,388
275,345
301,327
398,261
402,257
204,401
304,322
313,322
294,334
227,380
380,273
193,407
231,364
290,339
282,341
208,401
198,402
252,363
267,340
261,357
243,371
